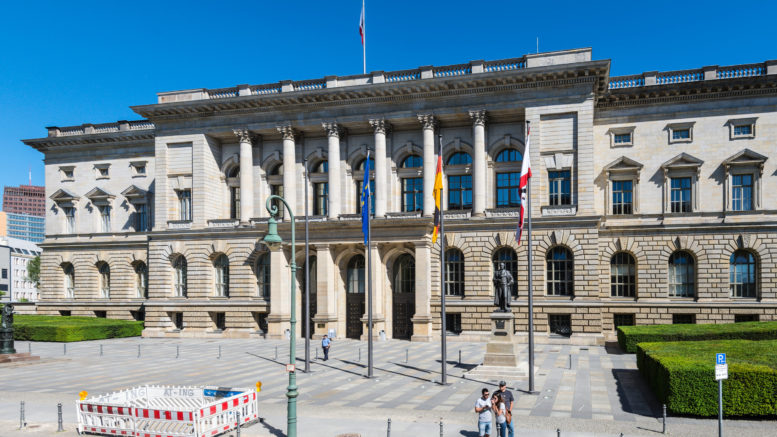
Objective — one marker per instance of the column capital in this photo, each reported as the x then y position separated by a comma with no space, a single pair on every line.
380,125
333,129
478,117
245,135
429,121
287,131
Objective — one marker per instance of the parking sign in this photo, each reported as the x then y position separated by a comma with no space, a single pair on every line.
720,359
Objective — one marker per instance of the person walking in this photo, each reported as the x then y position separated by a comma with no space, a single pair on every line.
325,343
498,405
483,407
508,399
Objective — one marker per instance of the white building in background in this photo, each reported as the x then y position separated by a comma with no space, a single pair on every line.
15,254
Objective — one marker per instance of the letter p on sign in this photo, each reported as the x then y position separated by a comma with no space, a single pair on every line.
720,358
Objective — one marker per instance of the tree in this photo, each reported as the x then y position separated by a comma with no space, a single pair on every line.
33,271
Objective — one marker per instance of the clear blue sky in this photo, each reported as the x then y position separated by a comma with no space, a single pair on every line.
68,63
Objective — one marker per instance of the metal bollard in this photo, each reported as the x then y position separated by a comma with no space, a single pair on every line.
177,351
316,353
558,432
22,422
101,350
238,423
407,354
138,351
219,357
59,418
459,357
29,348
570,361
441,427
388,429
276,353
360,355
64,348
663,431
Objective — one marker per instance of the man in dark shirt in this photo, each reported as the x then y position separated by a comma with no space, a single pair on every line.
507,397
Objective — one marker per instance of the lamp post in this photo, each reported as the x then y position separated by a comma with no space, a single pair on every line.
274,241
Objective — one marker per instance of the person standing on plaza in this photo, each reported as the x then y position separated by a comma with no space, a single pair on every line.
483,407
508,399
498,405
325,343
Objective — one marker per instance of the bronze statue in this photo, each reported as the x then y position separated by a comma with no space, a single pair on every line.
503,283
7,316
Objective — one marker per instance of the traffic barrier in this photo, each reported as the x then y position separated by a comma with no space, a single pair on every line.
161,411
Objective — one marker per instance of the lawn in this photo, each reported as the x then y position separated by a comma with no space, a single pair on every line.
67,328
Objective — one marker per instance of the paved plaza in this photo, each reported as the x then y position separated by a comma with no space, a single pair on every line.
583,390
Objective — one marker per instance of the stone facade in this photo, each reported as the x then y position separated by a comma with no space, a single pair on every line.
644,187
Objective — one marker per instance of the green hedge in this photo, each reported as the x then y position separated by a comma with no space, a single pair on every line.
66,328
630,336
682,376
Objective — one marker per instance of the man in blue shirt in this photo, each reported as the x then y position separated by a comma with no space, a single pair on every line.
325,342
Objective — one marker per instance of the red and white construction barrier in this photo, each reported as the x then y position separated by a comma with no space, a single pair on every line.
157,411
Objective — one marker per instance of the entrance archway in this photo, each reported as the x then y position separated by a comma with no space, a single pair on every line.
354,297
403,297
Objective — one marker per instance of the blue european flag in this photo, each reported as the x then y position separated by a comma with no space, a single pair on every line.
365,199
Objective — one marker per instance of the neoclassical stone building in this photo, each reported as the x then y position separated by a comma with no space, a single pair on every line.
653,201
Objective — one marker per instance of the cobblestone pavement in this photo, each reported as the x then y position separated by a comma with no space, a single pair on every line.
575,383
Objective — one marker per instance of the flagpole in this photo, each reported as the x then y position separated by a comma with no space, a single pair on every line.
307,277
443,330
369,268
531,288
364,43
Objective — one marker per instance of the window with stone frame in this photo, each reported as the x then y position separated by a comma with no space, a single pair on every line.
141,217
458,170
141,279
560,187
105,218
680,132
180,276
454,272
70,280
621,136
681,184
743,274
623,275
184,204
622,197
319,178
560,324
560,272
452,323
263,275
233,183
275,180
742,128
507,256
507,168
355,275
743,174
404,274
221,267
104,271
742,192
682,275
680,194
412,182
70,219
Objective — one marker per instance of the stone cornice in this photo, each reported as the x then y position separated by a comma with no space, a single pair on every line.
105,140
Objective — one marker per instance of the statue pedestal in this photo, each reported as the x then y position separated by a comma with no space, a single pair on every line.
6,341
501,350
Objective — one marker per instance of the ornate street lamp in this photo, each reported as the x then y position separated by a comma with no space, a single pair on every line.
274,241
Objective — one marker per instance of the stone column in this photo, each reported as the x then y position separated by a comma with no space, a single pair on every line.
246,175
422,320
289,166
378,299
279,319
479,162
333,132
429,123
326,297
381,127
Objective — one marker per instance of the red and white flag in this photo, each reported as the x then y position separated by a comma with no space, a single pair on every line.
361,23
523,184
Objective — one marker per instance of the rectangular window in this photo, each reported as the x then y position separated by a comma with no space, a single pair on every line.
105,218
622,320
742,192
178,320
460,192
681,194
185,205
560,324
220,320
622,139
100,314
681,134
70,219
622,197
560,187
453,323
743,130
320,198
741,318
141,218
5,273
412,194
507,190
683,319
234,202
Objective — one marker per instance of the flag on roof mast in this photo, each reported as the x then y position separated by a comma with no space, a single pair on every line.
364,47
437,198
522,185
365,199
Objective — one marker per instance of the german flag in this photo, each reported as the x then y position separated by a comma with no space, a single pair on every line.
437,198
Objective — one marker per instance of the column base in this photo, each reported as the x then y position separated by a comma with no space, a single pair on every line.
478,215
378,324
323,323
277,325
422,328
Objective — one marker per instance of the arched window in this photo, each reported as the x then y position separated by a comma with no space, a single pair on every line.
507,166
319,179
141,279
560,272
277,170
623,277
355,275
70,280
454,272
263,275
233,181
459,174
682,275
221,265
743,274
412,186
322,167
360,165
180,277
275,180
358,176
105,280
404,274
508,256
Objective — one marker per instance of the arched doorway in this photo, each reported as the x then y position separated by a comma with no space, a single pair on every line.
311,306
354,297
403,296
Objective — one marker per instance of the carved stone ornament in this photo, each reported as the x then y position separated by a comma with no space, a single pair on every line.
333,129
244,135
478,117
380,125
429,121
287,131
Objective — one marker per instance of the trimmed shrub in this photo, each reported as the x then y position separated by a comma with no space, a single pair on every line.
682,376
67,329
630,336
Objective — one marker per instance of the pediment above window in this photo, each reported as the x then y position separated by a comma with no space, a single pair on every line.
64,196
98,196
135,194
745,158
683,161
623,165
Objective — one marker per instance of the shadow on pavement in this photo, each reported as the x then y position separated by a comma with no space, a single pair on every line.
469,433
273,430
458,365
613,348
634,395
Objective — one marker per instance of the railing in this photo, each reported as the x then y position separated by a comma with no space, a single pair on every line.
223,93
504,65
453,70
626,81
737,71
403,75
682,76
141,125
72,130
308,85
259,90
105,128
